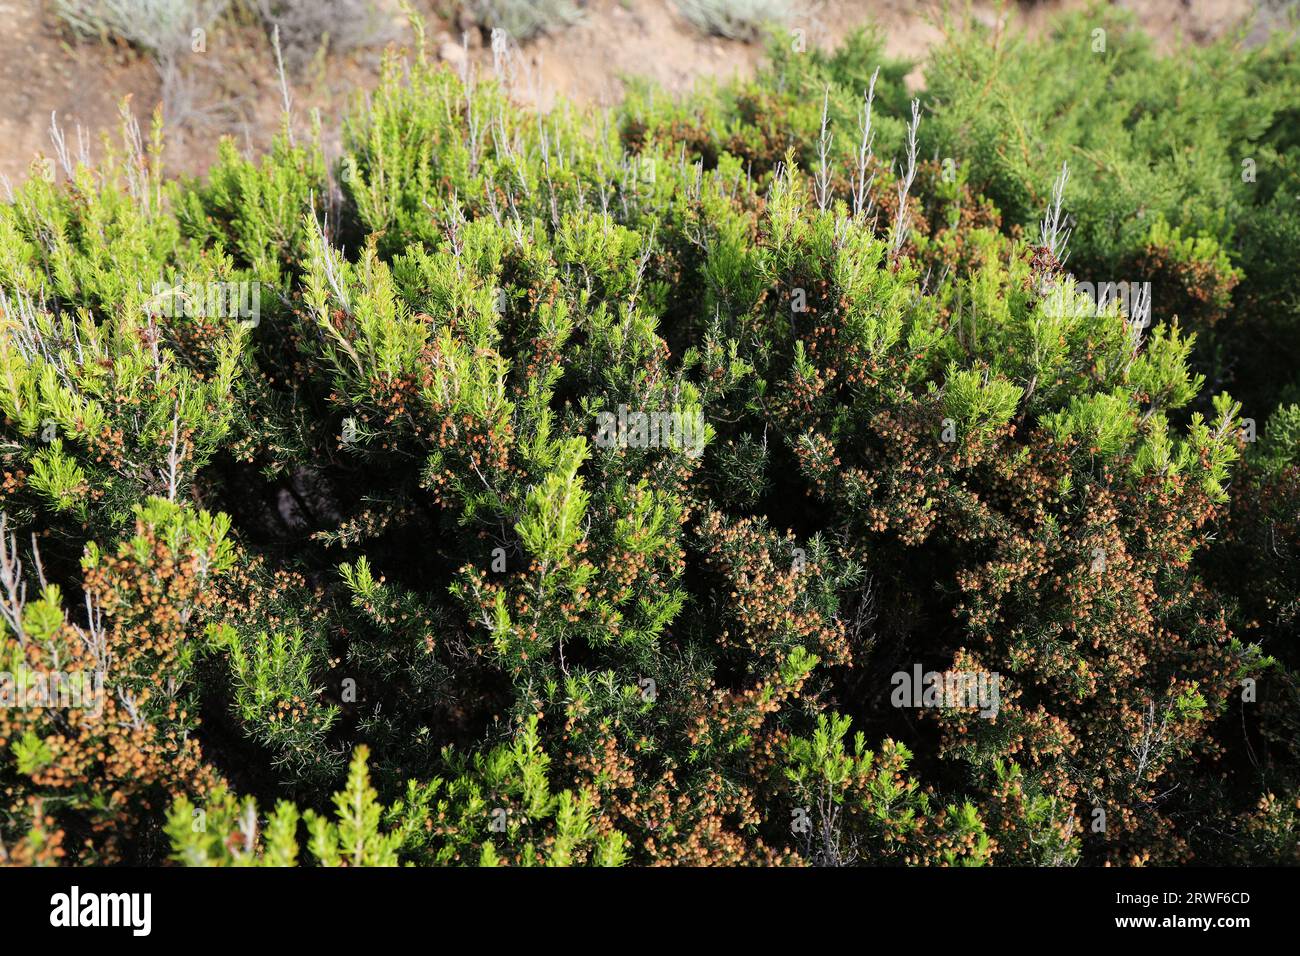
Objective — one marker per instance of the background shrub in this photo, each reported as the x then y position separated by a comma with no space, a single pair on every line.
736,19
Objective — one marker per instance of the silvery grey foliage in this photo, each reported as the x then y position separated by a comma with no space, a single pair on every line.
1053,229
523,19
906,175
734,19
163,28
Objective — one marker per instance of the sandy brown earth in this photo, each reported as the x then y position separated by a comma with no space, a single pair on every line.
232,87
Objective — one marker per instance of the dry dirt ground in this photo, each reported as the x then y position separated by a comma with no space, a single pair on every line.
232,87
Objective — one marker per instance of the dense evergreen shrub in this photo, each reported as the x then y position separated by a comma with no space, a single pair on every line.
596,489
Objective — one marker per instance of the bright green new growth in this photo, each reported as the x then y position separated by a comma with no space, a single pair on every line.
498,808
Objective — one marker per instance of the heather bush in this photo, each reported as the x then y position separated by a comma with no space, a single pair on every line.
304,27
717,481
